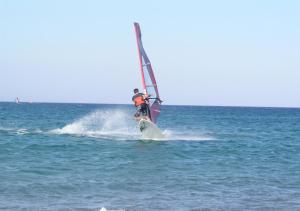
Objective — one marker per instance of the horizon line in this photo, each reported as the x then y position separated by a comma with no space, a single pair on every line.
191,105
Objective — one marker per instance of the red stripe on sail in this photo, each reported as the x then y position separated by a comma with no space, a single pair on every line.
138,41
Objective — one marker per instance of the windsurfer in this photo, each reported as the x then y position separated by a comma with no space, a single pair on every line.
141,103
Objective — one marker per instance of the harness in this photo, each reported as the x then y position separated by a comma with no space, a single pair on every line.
139,100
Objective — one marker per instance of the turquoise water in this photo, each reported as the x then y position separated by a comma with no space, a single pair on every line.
86,157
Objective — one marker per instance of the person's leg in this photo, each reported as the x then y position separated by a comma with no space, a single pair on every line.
148,111
145,111
138,112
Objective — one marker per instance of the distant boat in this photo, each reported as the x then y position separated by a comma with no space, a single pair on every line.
17,100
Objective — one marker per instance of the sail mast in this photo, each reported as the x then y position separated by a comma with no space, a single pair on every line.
138,38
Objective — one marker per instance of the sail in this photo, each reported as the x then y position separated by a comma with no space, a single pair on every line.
148,79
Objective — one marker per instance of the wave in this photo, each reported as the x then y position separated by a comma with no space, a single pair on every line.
6,129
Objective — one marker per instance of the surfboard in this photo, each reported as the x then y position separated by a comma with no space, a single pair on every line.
149,130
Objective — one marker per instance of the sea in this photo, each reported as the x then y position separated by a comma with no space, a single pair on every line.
56,156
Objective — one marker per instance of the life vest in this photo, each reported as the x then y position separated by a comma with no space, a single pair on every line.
139,100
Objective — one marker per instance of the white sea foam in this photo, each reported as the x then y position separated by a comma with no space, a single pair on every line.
192,136
104,209
19,131
22,131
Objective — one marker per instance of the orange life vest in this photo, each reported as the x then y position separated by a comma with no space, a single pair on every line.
139,100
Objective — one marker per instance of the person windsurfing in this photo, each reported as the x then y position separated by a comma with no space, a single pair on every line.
141,103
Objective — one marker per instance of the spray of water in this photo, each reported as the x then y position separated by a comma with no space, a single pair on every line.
103,124
118,124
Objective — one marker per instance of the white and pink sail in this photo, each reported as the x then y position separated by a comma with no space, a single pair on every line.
148,79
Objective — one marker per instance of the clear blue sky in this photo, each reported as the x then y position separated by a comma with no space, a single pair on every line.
203,52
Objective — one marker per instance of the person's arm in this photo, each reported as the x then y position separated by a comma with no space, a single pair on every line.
146,96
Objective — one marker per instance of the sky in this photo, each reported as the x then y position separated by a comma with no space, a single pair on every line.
223,53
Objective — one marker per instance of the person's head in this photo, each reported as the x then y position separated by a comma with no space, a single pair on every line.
136,90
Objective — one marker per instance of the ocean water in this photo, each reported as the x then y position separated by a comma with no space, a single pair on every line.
92,157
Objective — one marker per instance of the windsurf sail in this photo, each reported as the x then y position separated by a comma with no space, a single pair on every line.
148,79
